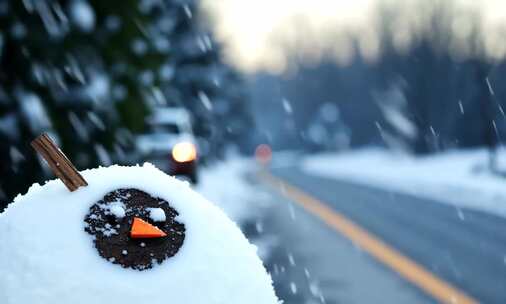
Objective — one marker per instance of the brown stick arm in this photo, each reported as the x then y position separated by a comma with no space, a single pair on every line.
58,162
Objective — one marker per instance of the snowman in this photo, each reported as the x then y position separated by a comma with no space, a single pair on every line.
125,235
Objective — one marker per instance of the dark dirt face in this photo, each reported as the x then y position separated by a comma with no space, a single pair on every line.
110,219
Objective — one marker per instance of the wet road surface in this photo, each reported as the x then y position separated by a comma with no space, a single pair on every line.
311,263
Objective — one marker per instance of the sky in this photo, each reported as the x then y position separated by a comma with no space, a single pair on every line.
271,35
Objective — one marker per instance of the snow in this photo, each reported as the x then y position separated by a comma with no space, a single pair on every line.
33,112
293,287
157,214
52,21
461,107
162,44
459,177
187,11
146,77
287,106
98,87
167,72
96,121
139,47
398,120
490,87
82,15
103,155
205,100
117,209
47,257
238,198
80,130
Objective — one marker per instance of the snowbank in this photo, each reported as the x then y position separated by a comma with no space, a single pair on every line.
225,185
456,177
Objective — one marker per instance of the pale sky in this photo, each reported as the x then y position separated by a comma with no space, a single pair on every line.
268,34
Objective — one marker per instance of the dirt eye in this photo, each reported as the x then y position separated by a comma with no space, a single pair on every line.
111,219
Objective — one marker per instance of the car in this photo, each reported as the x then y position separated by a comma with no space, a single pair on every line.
170,145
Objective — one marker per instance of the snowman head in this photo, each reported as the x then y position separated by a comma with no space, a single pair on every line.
128,215
129,227
133,229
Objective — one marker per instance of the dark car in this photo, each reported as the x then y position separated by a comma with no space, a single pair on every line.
171,145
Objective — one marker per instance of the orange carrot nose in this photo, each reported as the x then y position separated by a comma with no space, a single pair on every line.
144,230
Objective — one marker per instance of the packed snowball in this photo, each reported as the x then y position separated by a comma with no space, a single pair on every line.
157,214
46,255
117,209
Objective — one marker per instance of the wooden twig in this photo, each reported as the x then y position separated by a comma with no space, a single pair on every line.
58,162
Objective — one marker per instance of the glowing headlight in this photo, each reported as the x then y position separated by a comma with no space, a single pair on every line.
184,152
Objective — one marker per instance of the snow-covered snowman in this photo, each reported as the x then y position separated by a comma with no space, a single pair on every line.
123,235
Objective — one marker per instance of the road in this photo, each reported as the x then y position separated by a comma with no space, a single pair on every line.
312,263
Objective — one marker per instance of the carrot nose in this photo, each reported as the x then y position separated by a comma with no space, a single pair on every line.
144,230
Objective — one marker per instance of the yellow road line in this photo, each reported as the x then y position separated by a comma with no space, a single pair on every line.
410,270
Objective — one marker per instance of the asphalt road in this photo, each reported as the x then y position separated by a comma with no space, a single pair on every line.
310,263
463,247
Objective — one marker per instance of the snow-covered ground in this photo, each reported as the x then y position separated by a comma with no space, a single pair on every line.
456,177
224,183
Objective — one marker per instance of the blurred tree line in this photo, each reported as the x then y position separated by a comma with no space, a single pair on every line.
89,72
422,99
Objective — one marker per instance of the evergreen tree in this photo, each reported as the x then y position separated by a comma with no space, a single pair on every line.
88,73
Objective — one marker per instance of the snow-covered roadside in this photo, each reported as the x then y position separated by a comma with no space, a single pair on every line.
456,177
225,185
